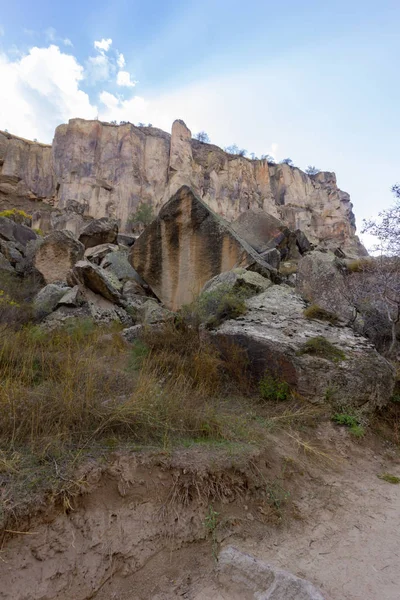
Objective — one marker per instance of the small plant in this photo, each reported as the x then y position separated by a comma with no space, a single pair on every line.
277,496
211,524
350,421
273,389
38,231
17,215
358,265
214,307
315,312
144,214
389,478
321,347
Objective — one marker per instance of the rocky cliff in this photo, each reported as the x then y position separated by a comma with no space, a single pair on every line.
98,169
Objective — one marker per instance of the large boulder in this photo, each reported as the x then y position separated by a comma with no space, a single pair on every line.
10,231
264,232
48,298
187,245
117,263
243,576
99,231
57,254
315,358
95,279
96,253
239,280
320,281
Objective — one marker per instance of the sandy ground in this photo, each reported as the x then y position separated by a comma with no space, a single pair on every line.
347,542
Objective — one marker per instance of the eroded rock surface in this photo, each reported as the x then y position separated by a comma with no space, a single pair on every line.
185,247
103,170
280,341
57,254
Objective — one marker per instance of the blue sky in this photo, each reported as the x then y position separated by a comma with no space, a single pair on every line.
315,81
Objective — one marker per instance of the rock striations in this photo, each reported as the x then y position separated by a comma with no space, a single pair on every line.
96,169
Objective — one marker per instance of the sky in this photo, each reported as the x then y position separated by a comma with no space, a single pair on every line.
315,81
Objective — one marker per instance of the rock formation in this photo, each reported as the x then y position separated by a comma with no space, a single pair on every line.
185,247
99,170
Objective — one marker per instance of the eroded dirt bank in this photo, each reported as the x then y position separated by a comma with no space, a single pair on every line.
145,528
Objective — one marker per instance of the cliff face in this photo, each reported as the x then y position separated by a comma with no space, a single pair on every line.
99,169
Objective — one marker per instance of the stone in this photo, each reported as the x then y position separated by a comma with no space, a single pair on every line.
320,281
263,232
238,280
104,311
131,334
272,257
47,299
5,264
95,254
57,254
117,263
15,232
99,231
151,313
12,251
63,314
109,170
95,279
187,245
73,297
277,337
126,239
132,288
244,577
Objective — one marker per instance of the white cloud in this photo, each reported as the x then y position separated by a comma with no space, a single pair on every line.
121,60
98,68
124,79
103,45
50,34
67,42
41,90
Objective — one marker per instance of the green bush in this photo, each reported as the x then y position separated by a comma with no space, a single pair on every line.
273,389
320,314
215,307
320,346
144,214
350,421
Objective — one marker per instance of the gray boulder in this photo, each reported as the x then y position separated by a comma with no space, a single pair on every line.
13,251
318,360
96,279
127,239
245,577
48,298
320,281
96,253
5,264
15,232
239,280
117,263
73,297
56,255
99,231
151,312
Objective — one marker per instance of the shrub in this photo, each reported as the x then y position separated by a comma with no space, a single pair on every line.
17,215
144,214
358,265
389,478
350,421
214,307
315,312
320,346
273,389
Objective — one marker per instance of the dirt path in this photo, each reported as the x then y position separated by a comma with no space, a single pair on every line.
349,544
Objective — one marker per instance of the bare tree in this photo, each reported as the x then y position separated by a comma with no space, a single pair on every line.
234,149
371,286
202,136
287,161
311,170
270,159
387,227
